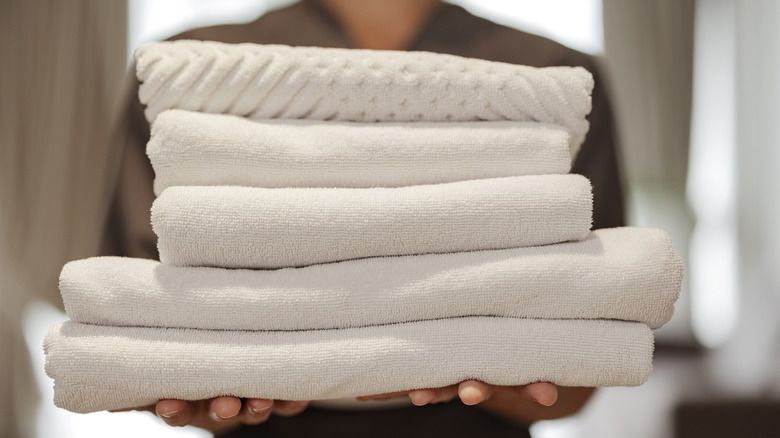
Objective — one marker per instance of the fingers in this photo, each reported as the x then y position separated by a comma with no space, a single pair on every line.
472,392
257,410
174,412
223,413
289,408
224,408
421,397
544,393
446,394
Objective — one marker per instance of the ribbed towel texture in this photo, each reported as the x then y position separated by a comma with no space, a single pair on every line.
631,274
191,148
273,81
247,227
415,228
98,367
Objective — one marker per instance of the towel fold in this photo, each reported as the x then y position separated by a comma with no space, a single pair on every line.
96,368
197,149
273,81
631,274
246,227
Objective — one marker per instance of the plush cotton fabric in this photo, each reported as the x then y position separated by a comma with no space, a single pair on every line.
623,273
242,227
273,81
190,148
96,368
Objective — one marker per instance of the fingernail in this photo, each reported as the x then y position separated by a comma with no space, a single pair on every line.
216,417
170,415
548,404
257,407
470,396
418,398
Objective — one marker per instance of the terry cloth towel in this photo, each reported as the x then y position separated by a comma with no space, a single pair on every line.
197,149
247,227
631,274
96,367
273,81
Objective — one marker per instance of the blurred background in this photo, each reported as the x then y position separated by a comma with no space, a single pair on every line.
695,87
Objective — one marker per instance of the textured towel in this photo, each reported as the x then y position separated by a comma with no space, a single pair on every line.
244,227
96,367
631,274
358,85
197,149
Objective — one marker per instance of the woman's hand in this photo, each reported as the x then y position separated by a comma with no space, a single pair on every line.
472,392
522,404
221,414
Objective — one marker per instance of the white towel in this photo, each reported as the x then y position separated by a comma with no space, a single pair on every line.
96,367
197,149
247,227
631,274
272,81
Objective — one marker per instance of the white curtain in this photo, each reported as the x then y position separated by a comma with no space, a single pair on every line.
648,51
748,363
62,69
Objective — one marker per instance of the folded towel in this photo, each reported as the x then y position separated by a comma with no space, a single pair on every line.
246,227
96,367
630,274
197,149
271,81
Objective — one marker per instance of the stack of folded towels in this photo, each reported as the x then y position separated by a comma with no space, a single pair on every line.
336,223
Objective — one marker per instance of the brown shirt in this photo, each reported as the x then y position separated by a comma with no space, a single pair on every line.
450,29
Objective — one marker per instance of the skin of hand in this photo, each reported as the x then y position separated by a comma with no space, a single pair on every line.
522,404
222,414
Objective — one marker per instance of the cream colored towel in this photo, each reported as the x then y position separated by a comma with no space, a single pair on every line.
271,81
622,273
197,149
96,368
241,227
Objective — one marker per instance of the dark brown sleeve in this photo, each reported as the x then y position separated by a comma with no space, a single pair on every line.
598,161
128,230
